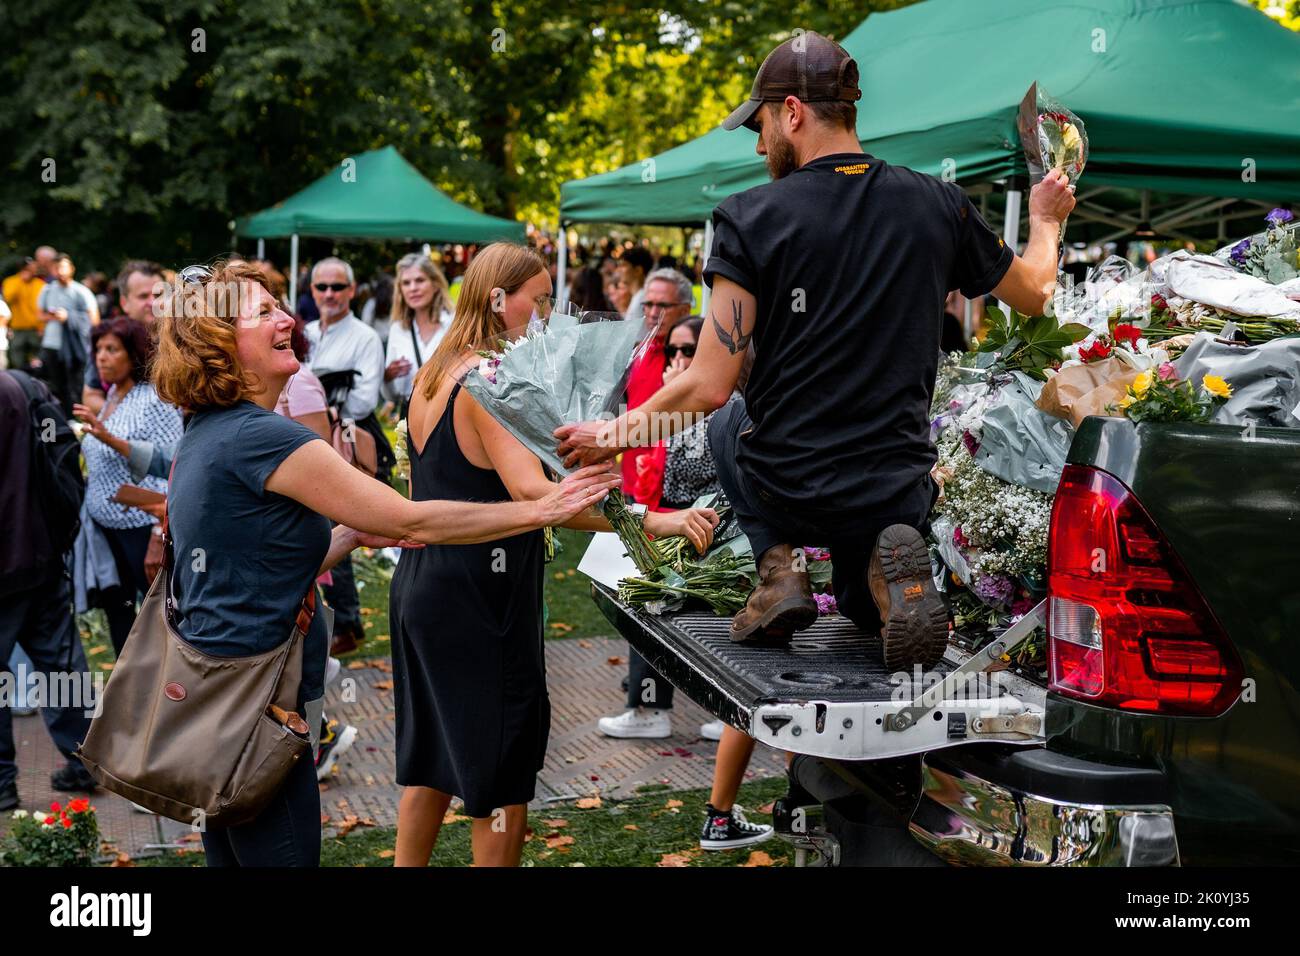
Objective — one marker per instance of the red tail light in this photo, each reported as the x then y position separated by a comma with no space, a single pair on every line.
1127,627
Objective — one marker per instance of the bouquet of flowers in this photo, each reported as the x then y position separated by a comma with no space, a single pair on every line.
66,836
1271,255
1159,395
1052,136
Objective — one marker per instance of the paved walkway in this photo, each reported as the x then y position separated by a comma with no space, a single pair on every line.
584,677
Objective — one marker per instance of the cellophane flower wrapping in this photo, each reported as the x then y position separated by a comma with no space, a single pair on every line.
560,371
1058,139
557,372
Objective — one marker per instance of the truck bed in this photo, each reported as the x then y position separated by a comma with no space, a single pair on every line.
826,693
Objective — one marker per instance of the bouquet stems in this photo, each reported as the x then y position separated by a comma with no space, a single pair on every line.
628,528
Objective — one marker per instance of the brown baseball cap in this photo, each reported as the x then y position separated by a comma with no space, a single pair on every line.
810,66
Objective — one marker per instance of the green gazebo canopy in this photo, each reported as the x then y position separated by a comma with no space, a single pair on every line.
1180,97
381,197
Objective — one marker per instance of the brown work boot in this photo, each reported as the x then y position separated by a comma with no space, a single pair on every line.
915,629
781,604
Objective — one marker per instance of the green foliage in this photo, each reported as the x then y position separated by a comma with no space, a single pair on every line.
1029,345
160,134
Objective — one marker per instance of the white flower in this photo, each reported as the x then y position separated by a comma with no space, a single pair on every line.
40,817
20,814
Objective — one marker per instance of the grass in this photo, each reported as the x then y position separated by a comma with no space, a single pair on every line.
650,829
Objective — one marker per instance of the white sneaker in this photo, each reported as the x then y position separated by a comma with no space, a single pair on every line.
712,730
332,668
644,722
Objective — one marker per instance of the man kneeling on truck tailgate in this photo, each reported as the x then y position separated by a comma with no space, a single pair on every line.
838,271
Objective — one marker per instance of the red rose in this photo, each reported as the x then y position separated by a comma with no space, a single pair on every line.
1158,302
54,808
67,824
1124,332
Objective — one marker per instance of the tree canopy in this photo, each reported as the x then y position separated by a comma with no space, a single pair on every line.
142,127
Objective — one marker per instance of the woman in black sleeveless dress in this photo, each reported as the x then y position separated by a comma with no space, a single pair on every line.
469,674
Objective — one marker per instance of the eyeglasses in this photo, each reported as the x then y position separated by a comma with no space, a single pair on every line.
661,306
687,351
331,286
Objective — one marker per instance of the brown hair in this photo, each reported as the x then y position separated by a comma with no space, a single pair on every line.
135,340
401,313
501,265
197,365
828,112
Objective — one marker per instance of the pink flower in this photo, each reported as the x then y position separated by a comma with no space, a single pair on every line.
826,604
1167,372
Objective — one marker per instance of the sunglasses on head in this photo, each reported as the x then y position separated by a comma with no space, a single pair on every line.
687,351
331,286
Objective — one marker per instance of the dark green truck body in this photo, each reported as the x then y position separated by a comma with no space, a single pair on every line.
1228,502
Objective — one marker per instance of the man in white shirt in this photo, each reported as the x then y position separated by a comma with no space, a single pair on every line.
340,341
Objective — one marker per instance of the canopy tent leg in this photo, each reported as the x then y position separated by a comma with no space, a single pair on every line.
293,273
561,268
261,249
704,263
1011,227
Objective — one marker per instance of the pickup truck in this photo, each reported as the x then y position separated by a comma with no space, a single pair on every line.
1167,731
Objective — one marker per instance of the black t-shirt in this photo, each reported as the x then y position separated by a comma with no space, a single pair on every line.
850,260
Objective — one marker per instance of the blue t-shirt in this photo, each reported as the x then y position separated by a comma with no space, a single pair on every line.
244,556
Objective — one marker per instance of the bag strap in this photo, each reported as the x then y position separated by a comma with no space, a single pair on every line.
306,609
415,341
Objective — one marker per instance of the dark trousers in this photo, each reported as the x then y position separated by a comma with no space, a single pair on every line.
65,381
285,833
41,622
646,687
119,603
342,597
767,522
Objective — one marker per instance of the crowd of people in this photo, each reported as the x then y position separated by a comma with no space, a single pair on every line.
123,367
267,507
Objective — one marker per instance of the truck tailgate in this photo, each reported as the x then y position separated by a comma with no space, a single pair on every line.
827,692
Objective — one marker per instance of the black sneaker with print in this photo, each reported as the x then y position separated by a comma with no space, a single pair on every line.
725,830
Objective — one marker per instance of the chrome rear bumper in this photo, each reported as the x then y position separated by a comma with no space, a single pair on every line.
967,820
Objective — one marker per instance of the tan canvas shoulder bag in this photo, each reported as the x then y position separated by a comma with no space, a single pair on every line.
200,739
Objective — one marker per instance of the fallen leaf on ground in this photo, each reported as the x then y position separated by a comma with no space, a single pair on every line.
557,824
381,637
190,837
386,854
122,859
583,642
758,858
673,803
630,826
357,665
324,818
383,685
588,803
382,663
561,627
674,859
96,650
105,667
615,661
556,841
767,807
451,816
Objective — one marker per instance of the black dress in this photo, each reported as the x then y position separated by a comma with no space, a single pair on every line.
469,675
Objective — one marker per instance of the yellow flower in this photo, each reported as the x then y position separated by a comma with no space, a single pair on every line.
1070,139
1126,401
1142,384
1216,386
